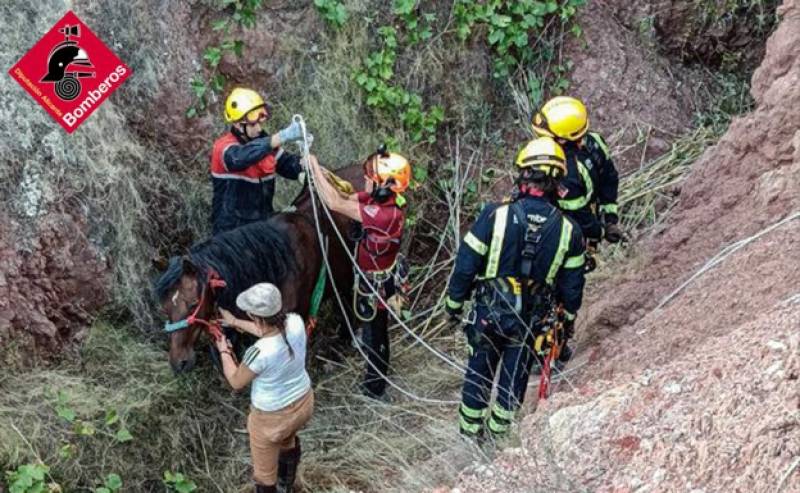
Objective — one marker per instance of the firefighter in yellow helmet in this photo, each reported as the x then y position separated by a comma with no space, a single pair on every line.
380,210
518,259
592,183
245,160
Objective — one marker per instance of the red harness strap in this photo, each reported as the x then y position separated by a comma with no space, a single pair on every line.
212,326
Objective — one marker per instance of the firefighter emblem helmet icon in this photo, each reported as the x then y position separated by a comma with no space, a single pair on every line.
67,64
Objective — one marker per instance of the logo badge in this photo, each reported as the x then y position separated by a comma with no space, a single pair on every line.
70,72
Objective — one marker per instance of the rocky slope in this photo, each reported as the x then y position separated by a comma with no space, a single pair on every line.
693,389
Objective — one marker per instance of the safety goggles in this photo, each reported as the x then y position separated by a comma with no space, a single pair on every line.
256,115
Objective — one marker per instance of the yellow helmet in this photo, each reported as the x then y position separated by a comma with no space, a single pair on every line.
244,103
563,117
382,167
543,154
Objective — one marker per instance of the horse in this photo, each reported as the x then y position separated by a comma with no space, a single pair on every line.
283,250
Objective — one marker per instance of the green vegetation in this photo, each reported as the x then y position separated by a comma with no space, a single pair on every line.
332,11
521,33
237,13
30,478
375,79
178,482
111,484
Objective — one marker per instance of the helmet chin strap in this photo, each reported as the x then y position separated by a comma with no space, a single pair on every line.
242,134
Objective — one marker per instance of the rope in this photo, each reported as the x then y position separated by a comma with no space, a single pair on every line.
305,153
723,254
461,368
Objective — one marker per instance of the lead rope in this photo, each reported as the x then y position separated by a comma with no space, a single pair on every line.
305,148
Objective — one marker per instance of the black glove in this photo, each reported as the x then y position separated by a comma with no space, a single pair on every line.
453,314
474,335
569,329
591,263
613,233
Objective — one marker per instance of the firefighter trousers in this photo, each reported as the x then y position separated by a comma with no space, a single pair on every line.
505,346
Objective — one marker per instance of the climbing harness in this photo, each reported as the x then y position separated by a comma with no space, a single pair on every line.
213,327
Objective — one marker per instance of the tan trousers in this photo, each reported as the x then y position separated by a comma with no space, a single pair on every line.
273,431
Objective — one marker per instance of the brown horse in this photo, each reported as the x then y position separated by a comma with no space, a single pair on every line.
283,250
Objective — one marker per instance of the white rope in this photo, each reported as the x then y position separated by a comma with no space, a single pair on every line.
311,178
723,254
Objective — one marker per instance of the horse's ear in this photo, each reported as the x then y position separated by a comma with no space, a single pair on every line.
160,262
188,267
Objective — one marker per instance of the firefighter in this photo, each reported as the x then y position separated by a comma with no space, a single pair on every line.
245,160
380,211
520,257
592,183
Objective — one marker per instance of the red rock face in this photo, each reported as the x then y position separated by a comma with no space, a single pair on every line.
702,393
52,279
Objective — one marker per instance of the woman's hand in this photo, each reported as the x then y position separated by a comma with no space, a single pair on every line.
223,344
228,319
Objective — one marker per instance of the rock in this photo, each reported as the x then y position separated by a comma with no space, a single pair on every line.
776,345
51,291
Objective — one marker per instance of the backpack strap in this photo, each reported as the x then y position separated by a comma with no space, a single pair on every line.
532,237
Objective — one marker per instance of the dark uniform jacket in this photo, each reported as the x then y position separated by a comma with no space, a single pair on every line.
592,184
493,249
243,176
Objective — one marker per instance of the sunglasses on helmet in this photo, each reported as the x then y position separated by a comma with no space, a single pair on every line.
257,115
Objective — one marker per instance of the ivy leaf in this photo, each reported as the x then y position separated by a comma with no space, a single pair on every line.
123,436
191,112
67,451
219,25
85,429
501,21
404,7
199,87
65,413
185,486
238,46
218,83
213,55
495,36
113,482
111,417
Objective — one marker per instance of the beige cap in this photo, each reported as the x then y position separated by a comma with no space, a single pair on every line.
261,300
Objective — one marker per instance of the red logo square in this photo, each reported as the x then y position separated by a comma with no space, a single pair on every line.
70,72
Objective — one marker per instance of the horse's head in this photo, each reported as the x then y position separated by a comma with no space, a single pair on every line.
180,291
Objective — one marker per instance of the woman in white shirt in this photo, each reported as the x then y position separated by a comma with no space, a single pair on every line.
281,397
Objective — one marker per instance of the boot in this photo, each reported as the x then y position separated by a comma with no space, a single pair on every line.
288,461
260,488
613,233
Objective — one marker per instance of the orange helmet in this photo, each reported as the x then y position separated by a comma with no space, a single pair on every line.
383,167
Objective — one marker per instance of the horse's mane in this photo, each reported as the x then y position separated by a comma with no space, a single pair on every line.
257,252
353,173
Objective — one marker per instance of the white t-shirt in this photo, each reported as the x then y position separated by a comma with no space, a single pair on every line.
280,378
